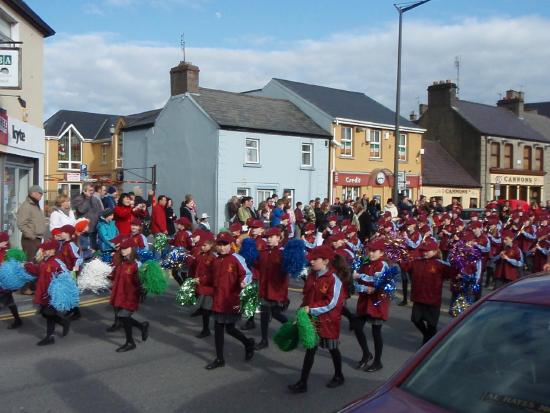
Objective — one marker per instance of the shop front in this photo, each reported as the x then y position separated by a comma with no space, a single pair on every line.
525,187
21,166
468,197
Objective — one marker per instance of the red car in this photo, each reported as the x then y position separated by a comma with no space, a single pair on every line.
493,358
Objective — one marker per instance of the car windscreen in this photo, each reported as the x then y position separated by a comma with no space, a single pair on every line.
495,360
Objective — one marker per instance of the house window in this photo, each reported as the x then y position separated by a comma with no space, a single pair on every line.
263,194
6,25
307,155
539,159
69,151
119,152
508,156
402,147
347,142
527,157
375,144
495,155
71,190
351,192
243,192
252,151
104,152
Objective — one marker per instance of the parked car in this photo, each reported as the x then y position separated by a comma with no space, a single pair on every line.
495,357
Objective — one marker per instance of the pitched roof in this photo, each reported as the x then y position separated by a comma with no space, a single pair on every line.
240,111
340,103
539,123
141,120
25,11
543,108
496,121
93,126
439,168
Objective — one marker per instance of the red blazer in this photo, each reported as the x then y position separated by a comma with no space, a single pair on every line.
158,220
524,243
44,271
273,280
182,239
68,253
202,269
126,287
139,240
324,296
375,305
504,269
427,280
123,218
228,274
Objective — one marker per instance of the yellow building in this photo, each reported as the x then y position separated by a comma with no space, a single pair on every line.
80,147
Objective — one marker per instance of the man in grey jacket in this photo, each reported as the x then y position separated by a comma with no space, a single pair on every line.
90,207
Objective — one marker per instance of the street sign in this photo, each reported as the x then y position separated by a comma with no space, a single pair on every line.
72,177
84,171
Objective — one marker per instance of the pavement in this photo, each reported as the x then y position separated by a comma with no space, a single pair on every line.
83,373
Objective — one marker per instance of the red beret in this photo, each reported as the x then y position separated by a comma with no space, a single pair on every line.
49,244
56,231
323,252
183,221
429,245
236,227
508,234
458,222
273,231
332,218
4,236
257,223
81,225
67,229
310,226
387,214
387,225
224,238
423,218
345,222
127,243
376,244
136,221
206,237
339,236
119,238
492,220
468,236
476,224
352,228
410,221
285,216
446,216
198,233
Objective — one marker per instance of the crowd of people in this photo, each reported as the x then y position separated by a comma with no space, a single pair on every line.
347,245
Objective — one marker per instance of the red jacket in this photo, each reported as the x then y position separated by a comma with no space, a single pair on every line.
44,271
68,253
228,273
182,239
202,269
525,243
126,287
123,218
507,270
158,220
427,280
324,296
375,305
273,280
139,240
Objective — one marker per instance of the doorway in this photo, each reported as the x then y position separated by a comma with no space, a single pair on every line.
17,181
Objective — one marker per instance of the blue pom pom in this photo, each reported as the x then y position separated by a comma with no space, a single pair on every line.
386,282
13,275
294,257
107,257
145,254
63,292
249,251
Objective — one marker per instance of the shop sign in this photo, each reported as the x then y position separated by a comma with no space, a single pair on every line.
72,177
22,135
517,179
10,68
3,127
345,179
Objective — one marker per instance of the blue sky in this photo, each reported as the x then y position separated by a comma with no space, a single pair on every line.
122,50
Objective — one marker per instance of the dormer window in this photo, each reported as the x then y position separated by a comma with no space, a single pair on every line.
69,150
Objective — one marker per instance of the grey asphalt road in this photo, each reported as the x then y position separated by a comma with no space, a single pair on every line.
83,373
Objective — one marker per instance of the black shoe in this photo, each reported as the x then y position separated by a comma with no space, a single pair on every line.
374,367
45,341
215,364
75,314
144,331
203,334
363,362
66,326
16,324
249,350
402,303
299,387
249,325
196,313
261,345
116,325
336,381
126,347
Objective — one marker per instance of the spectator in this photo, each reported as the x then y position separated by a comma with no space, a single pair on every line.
390,206
123,214
158,216
276,213
321,215
245,211
99,192
62,214
309,212
365,222
346,210
106,231
88,206
232,209
170,217
187,208
365,201
138,196
203,222
300,220
109,200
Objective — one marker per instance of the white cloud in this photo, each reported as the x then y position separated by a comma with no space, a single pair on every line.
218,14
97,72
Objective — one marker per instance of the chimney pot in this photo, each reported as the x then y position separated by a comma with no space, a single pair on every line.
184,78
412,116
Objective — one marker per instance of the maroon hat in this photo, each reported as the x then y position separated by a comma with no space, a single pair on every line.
310,226
257,223
236,227
429,245
49,244
136,221
387,214
458,222
224,238
273,231
56,231
346,222
119,238
507,234
337,237
198,233
468,236
4,236
206,237
476,224
332,218
183,221
423,218
474,214
285,216
351,229
446,216
492,220
376,244
410,221
323,252
67,229
127,243
387,225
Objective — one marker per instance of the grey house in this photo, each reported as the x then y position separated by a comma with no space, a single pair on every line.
215,144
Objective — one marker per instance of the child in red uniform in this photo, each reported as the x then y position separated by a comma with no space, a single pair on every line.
201,270
71,256
183,233
44,270
323,299
511,260
125,295
140,240
412,239
6,297
273,283
230,274
372,305
309,236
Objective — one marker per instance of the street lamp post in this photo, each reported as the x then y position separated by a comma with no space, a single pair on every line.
401,8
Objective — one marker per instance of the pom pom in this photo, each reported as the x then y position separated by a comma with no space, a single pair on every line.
160,242
249,251
249,300
175,258
458,306
63,292
396,248
287,337
306,329
94,276
16,254
153,278
462,255
13,275
294,257
106,257
386,282
145,254
186,294
359,260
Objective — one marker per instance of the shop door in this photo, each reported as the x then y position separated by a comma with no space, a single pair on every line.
16,189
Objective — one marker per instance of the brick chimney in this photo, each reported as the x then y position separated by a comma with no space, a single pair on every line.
184,78
513,101
441,94
413,117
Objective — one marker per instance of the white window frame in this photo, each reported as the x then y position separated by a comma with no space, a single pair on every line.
375,136
241,191
104,153
65,188
403,147
354,191
69,162
119,154
263,193
10,24
247,148
346,142
305,152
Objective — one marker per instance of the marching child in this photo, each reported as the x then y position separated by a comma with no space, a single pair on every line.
412,239
69,254
509,265
6,297
140,240
309,236
126,294
183,233
201,270
323,299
